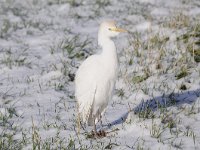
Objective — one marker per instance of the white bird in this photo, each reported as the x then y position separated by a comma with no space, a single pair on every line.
96,76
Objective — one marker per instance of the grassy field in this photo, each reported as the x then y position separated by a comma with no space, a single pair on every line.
156,103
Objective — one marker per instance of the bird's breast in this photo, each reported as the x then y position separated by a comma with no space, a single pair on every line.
111,68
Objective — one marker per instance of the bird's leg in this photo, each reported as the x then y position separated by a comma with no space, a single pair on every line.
102,132
79,123
96,134
101,121
78,119
95,128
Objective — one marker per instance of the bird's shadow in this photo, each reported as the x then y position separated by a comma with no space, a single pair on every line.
164,101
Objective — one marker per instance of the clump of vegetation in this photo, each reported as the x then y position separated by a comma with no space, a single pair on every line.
196,54
120,93
192,38
138,79
74,47
9,129
178,21
18,58
183,73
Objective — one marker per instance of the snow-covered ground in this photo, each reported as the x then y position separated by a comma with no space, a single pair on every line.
156,104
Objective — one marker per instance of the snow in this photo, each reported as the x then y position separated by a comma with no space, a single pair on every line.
194,12
143,26
160,12
43,42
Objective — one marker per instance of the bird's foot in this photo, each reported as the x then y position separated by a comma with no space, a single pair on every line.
99,134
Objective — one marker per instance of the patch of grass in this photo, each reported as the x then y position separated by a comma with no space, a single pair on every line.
140,146
169,121
73,3
136,43
190,133
138,79
11,58
156,130
5,28
177,21
196,54
102,3
146,112
156,41
183,73
192,39
9,129
73,47
120,93
71,144
171,99
59,86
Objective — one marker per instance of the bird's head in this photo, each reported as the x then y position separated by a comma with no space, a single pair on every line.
109,29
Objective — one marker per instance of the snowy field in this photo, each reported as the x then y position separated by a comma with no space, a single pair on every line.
156,103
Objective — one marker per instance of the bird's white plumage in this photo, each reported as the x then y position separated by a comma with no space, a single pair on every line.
95,78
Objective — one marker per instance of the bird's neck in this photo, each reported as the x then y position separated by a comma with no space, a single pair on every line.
109,52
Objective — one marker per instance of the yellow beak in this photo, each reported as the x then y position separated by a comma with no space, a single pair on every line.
118,30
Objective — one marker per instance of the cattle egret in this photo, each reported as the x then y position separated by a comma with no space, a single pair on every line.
96,76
